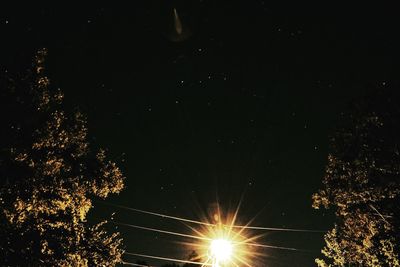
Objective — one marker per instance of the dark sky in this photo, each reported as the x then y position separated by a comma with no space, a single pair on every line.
243,107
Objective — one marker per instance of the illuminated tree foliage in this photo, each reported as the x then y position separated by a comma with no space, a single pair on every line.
362,184
48,175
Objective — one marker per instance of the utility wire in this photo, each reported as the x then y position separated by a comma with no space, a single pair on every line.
278,229
161,231
166,259
211,224
158,214
209,239
135,264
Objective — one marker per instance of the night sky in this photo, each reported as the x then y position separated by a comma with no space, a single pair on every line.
242,107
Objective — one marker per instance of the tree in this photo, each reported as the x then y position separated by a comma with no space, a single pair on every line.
171,265
49,174
194,257
362,184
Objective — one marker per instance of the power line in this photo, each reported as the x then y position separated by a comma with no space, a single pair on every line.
278,229
158,214
209,239
166,259
134,264
161,231
274,247
211,224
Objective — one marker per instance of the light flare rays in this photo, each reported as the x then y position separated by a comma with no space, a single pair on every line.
214,228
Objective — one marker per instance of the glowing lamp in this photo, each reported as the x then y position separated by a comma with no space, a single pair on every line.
221,250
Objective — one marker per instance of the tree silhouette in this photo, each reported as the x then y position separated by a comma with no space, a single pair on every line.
49,173
362,184
193,257
171,265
